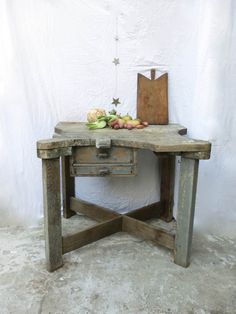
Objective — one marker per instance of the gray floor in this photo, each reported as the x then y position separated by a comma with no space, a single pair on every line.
118,274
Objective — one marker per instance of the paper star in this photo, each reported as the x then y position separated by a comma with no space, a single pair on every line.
116,61
116,101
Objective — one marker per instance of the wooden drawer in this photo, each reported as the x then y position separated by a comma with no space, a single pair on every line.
114,161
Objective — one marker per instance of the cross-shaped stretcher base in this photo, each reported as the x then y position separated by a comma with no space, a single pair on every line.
111,222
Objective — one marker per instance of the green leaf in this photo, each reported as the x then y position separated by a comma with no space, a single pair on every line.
97,125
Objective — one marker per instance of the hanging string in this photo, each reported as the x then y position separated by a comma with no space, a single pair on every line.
147,67
116,62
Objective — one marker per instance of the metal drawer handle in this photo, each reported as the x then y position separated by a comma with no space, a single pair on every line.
103,155
103,143
104,171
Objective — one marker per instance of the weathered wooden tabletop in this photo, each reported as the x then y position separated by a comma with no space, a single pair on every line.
158,138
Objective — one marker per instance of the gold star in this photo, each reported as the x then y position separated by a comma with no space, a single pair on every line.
116,101
116,61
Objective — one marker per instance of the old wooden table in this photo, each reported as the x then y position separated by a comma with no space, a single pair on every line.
109,152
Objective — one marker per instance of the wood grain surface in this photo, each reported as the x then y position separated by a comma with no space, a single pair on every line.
52,213
185,212
152,99
143,230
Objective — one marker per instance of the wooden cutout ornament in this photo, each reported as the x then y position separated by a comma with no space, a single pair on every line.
152,98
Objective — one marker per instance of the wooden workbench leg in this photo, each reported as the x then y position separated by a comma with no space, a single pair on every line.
185,211
52,213
68,187
167,170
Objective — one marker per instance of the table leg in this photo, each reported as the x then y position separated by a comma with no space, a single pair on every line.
167,170
68,187
52,213
185,211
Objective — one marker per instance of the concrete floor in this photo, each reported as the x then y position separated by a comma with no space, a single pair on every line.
118,274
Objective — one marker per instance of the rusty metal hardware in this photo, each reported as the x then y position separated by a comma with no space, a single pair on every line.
104,171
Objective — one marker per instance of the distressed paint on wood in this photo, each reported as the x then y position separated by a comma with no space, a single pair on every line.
152,99
68,187
185,211
116,161
197,155
157,138
54,153
52,213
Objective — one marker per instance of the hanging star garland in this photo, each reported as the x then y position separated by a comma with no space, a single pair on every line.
116,101
116,62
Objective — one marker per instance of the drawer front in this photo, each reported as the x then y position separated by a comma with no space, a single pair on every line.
90,154
114,161
103,170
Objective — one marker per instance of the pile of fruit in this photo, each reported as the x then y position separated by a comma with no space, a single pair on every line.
98,119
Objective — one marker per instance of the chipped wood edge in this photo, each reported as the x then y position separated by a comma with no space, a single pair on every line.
197,155
204,155
54,153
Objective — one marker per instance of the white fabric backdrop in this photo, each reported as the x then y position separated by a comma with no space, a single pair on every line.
56,63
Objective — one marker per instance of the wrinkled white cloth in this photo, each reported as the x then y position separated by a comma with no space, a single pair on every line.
56,64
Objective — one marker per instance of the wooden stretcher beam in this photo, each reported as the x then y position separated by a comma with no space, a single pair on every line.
91,234
93,211
146,212
142,229
100,213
